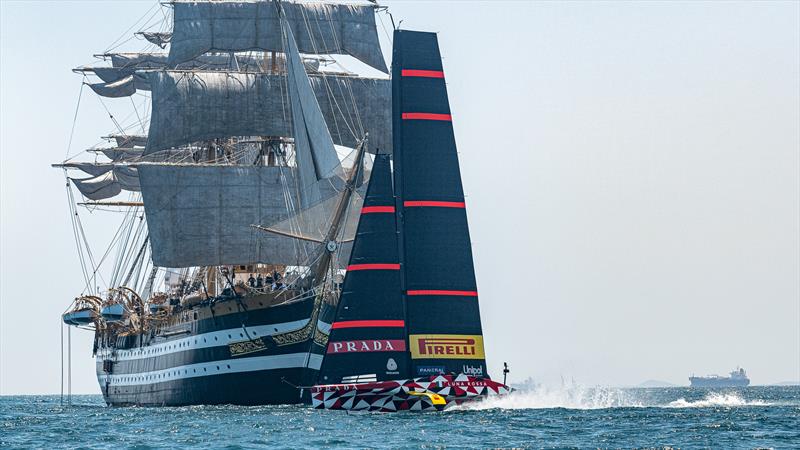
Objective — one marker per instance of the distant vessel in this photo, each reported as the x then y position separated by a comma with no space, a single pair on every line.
737,378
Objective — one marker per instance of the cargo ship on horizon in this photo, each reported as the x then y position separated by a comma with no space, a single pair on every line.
737,378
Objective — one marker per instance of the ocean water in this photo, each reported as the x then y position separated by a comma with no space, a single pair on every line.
561,417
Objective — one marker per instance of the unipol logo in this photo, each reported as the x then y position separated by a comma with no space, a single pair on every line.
446,346
378,345
472,370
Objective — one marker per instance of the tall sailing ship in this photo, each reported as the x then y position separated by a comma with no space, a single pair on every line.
239,203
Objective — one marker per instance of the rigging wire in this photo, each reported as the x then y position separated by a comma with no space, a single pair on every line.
118,42
141,122
74,120
113,119
73,219
380,19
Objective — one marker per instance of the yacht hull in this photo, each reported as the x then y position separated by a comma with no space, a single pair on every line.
433,393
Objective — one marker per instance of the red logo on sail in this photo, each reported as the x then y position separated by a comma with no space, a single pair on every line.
377,345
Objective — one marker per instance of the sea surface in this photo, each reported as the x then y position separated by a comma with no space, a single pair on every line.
562,417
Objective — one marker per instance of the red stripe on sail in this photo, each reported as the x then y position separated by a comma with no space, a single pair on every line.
422,73
426,116
377,209
373,267
413,203
440,292
369,324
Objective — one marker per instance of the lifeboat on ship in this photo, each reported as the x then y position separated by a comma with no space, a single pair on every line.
121,303
114,312
83,312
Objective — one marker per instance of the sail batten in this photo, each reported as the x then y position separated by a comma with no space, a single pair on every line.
320,28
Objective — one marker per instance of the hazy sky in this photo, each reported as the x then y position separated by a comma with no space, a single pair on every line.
632,173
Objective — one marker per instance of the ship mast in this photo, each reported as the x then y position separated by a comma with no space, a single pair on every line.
331,245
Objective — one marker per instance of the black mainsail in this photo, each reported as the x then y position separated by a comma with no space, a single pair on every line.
408,336
438,276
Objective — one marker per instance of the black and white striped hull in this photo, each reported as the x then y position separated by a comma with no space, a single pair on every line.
252,357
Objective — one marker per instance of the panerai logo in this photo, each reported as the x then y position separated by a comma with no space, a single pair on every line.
430,370
446,346
471,370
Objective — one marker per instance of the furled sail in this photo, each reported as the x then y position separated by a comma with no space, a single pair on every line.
118,154
125,65
443,318
368,334
196,106
229,26
124,87
158,38
92,168
109,74
108,184
138,60
128,140
202,215
210,61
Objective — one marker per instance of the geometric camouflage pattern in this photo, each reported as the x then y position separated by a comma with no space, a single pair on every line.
399,395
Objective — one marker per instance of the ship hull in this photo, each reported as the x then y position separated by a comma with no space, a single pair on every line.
718,382
261,387
239,355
